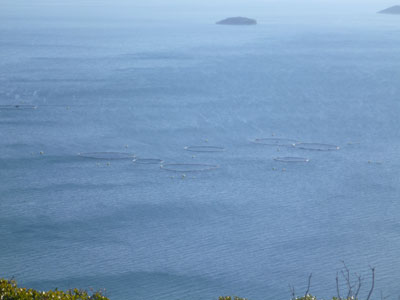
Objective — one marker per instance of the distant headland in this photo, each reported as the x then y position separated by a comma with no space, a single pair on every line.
237,21
394,10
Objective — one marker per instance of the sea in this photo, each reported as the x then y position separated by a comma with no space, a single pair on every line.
151,154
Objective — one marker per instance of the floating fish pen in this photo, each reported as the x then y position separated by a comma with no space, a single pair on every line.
17,107
107,155
204,149
188,167
148,161
292,159
316,146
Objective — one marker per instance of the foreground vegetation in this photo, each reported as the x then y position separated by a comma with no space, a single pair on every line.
10,291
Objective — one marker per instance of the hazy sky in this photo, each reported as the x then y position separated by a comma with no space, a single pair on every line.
203,10
12,5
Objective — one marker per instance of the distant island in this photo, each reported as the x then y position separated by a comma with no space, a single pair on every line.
394,10
237,21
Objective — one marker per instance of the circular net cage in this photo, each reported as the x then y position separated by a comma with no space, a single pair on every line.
189,167
204,149
292,159
316,146
107,155
148,161
275,142
17,107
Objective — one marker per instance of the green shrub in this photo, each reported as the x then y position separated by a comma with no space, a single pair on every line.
10,291
230,298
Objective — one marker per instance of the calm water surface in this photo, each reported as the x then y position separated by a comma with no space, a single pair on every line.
248,228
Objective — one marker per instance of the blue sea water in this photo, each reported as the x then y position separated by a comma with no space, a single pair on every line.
152,86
